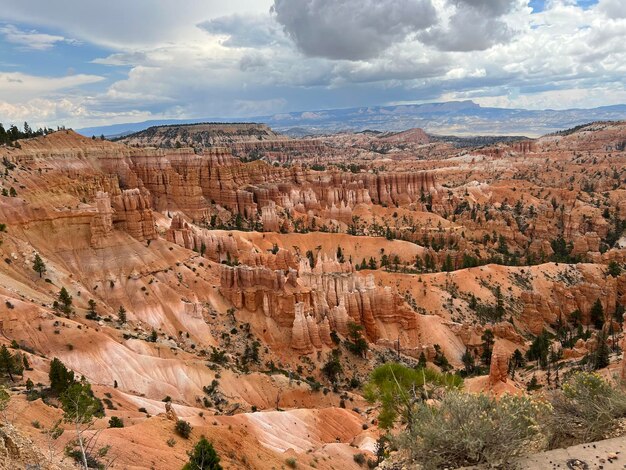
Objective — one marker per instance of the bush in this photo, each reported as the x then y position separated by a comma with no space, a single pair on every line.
584,410
359,458
468,429
400,391
116,422
183,428
291,462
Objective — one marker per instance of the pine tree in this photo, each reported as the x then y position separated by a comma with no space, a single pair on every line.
533,384
80,408
499,303
65,300
60,377
121,314
488,340
358,345
447,265
38,265
203,457
10,364
441,360
91,310
468,362
340,256
421,362
597,314
601,355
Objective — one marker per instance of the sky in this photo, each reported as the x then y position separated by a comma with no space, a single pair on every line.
85,63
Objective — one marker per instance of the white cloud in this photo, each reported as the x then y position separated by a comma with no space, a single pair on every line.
30,39
75,113
555,99
213,59
124,24
16,86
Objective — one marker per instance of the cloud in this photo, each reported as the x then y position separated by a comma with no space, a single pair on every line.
125,24
72,112
612,8
32,39
122,59
244,30
17,86
351,29
259,107
474,25
230,59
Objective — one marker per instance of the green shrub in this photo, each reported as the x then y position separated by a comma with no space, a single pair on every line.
469,429
400,390
115,422
584,410
291,462
359,458
183,428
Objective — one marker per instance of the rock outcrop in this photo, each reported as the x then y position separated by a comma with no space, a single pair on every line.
499,367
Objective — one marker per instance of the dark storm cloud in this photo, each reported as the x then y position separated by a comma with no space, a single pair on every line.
351,29
476,25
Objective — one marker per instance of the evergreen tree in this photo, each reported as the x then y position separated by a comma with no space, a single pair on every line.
597,314
91,310
340,256
38,265
65,301
447,264
333,367
60,377
441,360
614,269
421,362
357,345
121,314
10,364
533,384
601,356
499,303
80,408
518,358
468,362
488,339
539,349
203,457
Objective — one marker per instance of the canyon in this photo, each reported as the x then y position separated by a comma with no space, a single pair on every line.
245,261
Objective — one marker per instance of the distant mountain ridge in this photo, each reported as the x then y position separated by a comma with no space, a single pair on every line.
206,134
461,118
